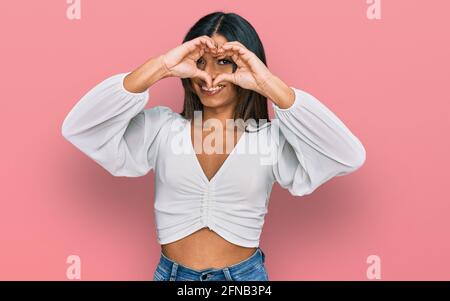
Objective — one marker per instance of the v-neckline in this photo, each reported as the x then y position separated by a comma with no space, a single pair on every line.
197,162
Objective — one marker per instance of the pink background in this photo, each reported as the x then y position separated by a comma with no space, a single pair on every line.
387,79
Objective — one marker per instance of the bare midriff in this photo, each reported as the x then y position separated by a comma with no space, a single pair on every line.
205,249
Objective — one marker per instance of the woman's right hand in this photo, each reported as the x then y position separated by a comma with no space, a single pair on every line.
181,61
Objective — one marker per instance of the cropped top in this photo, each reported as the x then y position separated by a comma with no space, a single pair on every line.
304,146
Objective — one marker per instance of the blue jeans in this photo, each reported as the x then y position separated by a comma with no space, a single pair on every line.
252,269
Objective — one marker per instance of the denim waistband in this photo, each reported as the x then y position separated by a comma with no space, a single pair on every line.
258,257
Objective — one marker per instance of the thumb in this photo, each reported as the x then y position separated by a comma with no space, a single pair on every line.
224,77
205,77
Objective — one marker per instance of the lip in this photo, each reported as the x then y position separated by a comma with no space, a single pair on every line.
207,93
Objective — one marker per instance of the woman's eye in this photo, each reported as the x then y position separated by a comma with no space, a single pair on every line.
221,62
226,61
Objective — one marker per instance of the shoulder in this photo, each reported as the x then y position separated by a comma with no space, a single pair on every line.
162,117
162,112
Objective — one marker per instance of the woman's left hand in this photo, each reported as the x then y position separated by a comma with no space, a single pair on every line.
251,72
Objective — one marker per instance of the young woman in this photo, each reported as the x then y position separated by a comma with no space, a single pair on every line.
211,195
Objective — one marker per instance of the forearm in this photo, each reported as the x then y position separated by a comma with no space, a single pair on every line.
145,75
278,91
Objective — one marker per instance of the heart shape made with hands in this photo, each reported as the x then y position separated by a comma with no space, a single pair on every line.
249,72
215,52
234,55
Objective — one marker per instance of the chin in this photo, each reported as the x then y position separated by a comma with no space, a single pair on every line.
214,100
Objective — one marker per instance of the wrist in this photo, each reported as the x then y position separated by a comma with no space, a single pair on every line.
263,84
278,92
154,70
145,75
164,70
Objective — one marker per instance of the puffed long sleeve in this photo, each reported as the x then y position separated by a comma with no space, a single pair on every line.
109,124
313,145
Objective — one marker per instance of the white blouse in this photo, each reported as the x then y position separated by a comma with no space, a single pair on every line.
303,147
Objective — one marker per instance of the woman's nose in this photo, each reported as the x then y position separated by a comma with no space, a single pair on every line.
211,70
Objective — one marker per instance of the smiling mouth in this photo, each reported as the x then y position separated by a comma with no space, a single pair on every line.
211,91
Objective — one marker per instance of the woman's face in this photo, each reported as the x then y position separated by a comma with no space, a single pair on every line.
227,94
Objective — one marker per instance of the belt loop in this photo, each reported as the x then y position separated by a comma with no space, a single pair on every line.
227,273
263,255
173,273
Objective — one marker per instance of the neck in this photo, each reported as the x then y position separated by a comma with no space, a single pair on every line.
216,118
219,113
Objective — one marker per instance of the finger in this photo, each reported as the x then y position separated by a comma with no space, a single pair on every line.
239,53
235,48
198,44
207,41
198,53
229,51
236,43
203,44
224,77
213,52
235,57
